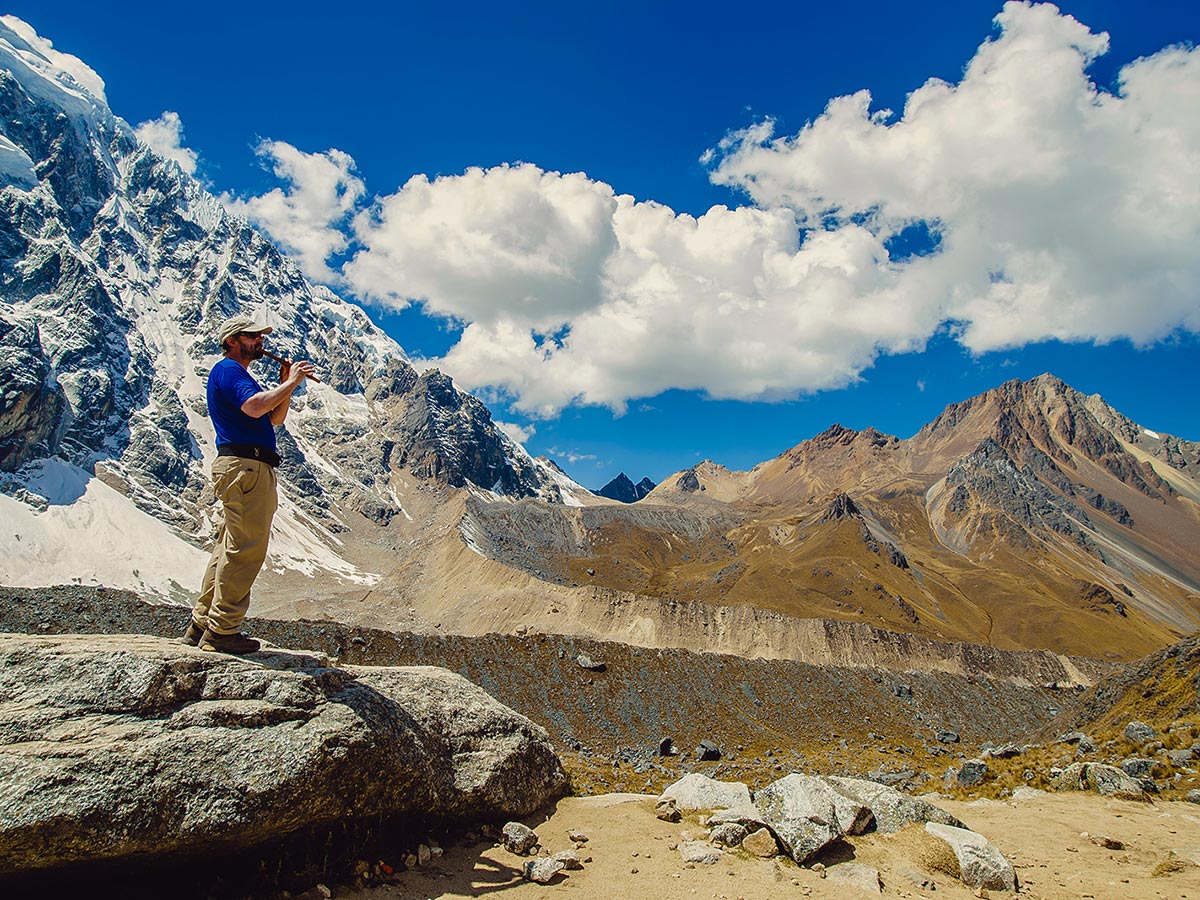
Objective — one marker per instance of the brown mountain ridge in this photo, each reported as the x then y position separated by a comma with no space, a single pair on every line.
1030,516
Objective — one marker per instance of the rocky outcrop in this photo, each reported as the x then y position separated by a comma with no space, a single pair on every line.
132,747
30,404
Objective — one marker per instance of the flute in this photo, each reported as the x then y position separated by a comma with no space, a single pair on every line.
287,362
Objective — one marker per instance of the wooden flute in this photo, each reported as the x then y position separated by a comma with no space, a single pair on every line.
279,359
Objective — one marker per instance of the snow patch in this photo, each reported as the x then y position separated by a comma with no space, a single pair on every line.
16,167
1153,434
89,533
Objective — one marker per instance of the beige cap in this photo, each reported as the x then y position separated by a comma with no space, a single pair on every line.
242,323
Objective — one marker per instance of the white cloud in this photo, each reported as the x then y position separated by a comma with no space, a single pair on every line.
306,216
164,136
571,456
511,243
1064,211
1059,210
519,433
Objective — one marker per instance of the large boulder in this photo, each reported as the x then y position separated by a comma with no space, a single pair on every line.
696,791
806,813
981,864
891,808
133,747
1106,780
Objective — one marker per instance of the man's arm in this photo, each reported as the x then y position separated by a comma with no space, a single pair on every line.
274,402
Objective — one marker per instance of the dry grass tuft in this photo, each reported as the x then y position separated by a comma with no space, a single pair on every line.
1171,866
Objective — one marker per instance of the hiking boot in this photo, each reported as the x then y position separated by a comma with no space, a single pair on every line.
193,634
236,643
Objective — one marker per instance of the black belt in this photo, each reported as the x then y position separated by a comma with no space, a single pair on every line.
250,451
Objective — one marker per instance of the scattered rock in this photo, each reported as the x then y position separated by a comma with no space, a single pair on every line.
667,810
700,853
1139,733
918,879
981,864
972,772
947,737
586,662
731,834
761,843
518,839
1193,796
856,875
666,747
569,858
1108,843
708,751
543,869
578,837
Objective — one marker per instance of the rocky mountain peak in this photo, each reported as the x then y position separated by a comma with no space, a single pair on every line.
623,489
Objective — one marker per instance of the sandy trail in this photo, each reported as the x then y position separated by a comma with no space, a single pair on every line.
631,857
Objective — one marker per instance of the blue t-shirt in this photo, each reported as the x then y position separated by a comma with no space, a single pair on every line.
229,386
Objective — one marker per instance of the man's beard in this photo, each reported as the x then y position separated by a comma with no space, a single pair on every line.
256,352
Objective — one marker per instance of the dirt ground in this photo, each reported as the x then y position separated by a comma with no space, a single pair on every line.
1048,839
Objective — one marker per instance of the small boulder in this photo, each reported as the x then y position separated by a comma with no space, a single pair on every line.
666,747
891,808
1138,766
858,876
972,772
518,839
700,853
667,810
947,737
708,751
1139,733
730,834
569,858
586,662
981,864
543,869
761,843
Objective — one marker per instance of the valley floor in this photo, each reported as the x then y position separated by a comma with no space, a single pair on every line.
632,859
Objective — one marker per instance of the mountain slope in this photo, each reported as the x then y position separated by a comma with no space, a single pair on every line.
115,270
1029,516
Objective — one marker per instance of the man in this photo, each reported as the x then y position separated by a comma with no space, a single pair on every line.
245,417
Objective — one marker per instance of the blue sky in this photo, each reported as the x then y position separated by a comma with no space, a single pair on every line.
645,235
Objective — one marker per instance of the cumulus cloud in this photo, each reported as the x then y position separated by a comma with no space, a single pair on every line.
1057,210
1054,209
306,216
511,244
519,433
164,136
1063,211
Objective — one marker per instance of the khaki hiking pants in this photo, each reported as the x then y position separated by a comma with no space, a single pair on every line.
247,490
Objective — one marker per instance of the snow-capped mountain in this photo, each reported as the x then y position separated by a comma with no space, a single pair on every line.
115,270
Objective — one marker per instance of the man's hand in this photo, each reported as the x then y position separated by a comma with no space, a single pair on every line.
295,372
